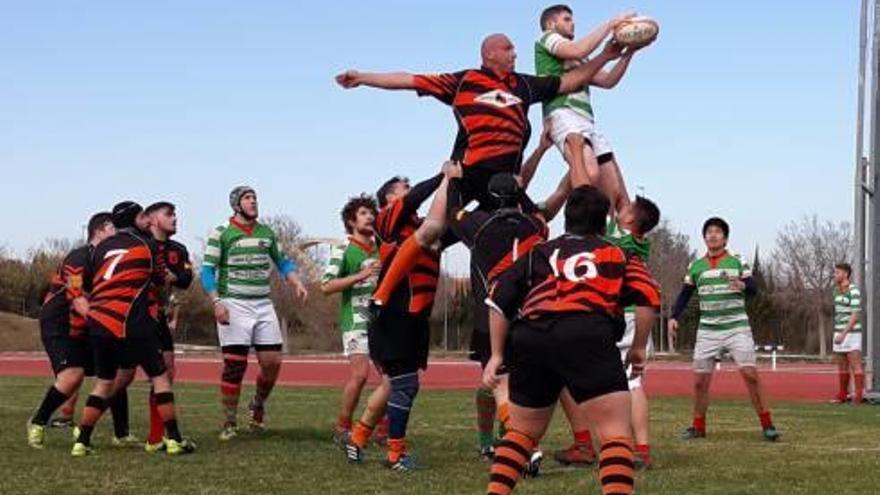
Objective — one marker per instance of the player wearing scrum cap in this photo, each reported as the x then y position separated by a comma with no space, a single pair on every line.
235,274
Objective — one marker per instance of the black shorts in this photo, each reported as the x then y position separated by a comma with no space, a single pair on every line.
605,158
112,354
166,341
65,352
578,352
399,340
475,186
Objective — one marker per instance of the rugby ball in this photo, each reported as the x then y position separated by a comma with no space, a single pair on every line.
636,31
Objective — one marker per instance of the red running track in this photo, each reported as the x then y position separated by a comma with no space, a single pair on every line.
798,382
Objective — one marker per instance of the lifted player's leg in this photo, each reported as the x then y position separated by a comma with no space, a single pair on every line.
583,167
611,182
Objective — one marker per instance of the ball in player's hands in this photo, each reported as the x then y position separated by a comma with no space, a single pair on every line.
636,32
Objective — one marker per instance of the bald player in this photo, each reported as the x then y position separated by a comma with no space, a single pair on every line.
490,105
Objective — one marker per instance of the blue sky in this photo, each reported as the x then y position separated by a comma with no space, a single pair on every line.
741,109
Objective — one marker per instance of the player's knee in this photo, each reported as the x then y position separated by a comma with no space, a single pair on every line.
359,375
103,388
749,374
161,383
234,370
404,389
69,380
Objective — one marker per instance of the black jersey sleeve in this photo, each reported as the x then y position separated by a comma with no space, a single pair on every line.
420,193
542,88
509,290
181,266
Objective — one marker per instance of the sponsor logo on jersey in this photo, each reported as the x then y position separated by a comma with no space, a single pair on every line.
498,98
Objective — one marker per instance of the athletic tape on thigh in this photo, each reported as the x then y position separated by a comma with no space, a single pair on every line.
164,398
96,402
403,391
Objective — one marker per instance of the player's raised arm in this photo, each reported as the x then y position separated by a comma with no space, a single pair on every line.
608,79
527,172
582,48
576,79
383,80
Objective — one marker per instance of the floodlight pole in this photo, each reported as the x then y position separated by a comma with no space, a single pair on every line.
859,179
873,221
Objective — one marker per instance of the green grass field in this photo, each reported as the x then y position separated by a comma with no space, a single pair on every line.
825,449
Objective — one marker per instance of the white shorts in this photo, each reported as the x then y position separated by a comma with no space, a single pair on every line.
852,342
355,342
565,121
712,343
625,344
251,322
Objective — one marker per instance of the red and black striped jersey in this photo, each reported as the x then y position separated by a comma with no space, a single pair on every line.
57,316
574,274
491,111
122,273
396,222
172,256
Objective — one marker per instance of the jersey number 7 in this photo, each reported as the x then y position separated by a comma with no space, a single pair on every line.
117,255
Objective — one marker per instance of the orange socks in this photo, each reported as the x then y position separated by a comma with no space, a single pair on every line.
616,463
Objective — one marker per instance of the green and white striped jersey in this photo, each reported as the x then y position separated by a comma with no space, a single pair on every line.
548,64
244,259
721,307
846,303
347,259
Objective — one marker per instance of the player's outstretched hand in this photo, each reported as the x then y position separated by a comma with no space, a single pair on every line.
221,313
349,79
490,374
637,358
613,50
622,17
452,169
839,338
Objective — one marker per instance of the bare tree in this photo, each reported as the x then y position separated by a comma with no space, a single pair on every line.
806,251
670,255
313,326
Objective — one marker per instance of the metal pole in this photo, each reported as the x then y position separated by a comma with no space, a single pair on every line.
443,274
859,220
873,268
